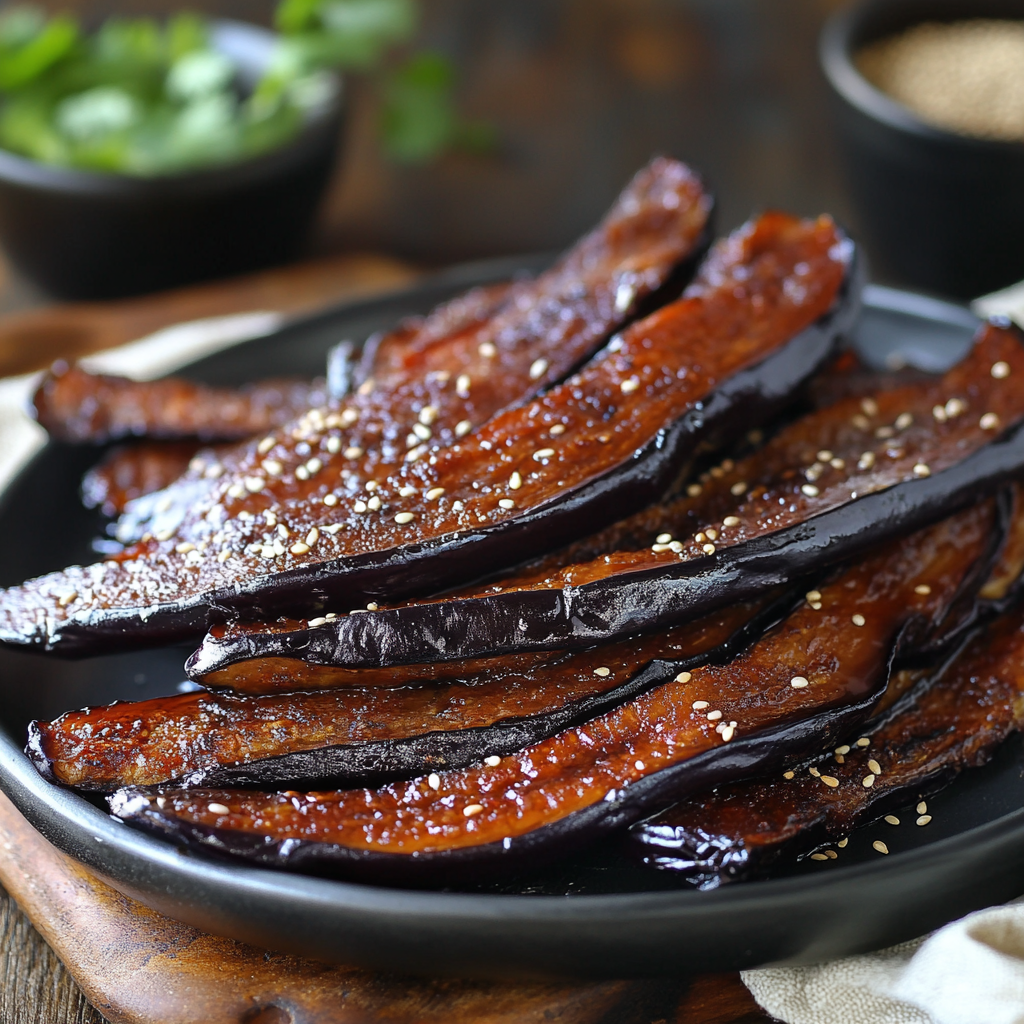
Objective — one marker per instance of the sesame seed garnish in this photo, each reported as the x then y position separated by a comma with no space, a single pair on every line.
924,819
904,420
404,517
472,809
832,855
353,452
824,455
818,856
506,503
218,809
373,504
884,432
543,453
866,461
923,589
462,385
333,445
658,548
954,407
557,429
699,538
313,536
799,683
639,765
407,491
371,606
538,368
815,772
858,619
184,547
255,483
711,534
990,421
813,595
863,742
939,412
869,406
731,521
860,422
879,846
414,453
515,481
266,444
348,417
874,767
320,621
843,750
359,506
299,548
434,780
487,350
602,671
462,428
301,473
788,775
708,549
810,490
698,705
922,807
1000,370
366,387
868,781
728,732
892,819
837,463
664,538
738,488
922,470
693,490
65,599
492,761
629,385
422,433
714,716
433,494
830,781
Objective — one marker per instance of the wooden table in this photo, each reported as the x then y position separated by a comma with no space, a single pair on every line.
96,955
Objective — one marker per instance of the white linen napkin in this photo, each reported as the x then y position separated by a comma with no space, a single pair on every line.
969,972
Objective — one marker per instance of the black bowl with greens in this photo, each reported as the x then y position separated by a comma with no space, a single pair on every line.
146,155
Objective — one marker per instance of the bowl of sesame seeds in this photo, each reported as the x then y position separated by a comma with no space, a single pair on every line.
929,98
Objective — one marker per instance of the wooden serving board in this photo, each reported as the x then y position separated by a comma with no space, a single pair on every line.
139,967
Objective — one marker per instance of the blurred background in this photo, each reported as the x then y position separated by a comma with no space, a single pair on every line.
580,93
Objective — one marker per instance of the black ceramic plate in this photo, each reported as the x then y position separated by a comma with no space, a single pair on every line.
597,915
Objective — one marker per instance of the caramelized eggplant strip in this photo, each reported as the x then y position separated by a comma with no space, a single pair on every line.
129,471
808,680
77,406
338,501
830,485
365,735
943,725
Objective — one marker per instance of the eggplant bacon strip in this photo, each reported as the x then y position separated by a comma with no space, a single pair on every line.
341,501
830,485
943,725
806,681
361,736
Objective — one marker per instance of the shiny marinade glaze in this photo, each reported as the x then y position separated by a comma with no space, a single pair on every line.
132,470
370,735
833,483
807,680
944,724
287,516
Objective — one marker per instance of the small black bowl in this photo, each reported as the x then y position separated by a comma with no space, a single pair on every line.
86,235
941,211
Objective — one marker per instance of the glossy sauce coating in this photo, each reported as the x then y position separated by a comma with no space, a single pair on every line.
147,742
354,480
936,730
825,656
822,462
131,471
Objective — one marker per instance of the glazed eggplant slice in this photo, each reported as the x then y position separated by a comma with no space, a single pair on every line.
361,736
945,724
808,680
344,501
77,406
828,486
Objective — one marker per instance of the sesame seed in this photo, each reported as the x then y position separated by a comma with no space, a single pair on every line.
373,504
515,481
866,461
799,683
924,819
359,506
371,606
543,453
711,534
954,407
301,473
923,589
738,488
434,493
218,809
884,432
639,765
840,759
487,350
602,672
874,767
699,538
818,856
860,422
863,742
676,546
830,781
458,506
813,595
731,521
708,549
313,623
462,385
266,444
434,780
814,772
843,750
693,490
658,548
348,417
299,548
492,761
922,807
869,406
832,855
255,483
879,846
630,385
904,420
858,619
837,463
868,781
506,503
922,470
788,775
272,467
538,368
184,547
714,716
428,414
892,819
313,536
664,538
422,433
366,387
1000,370
353,452
407,491
990,421
414,453
698,705
939,412
404,517
728,732
810,490
824,455
65,599
472,809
